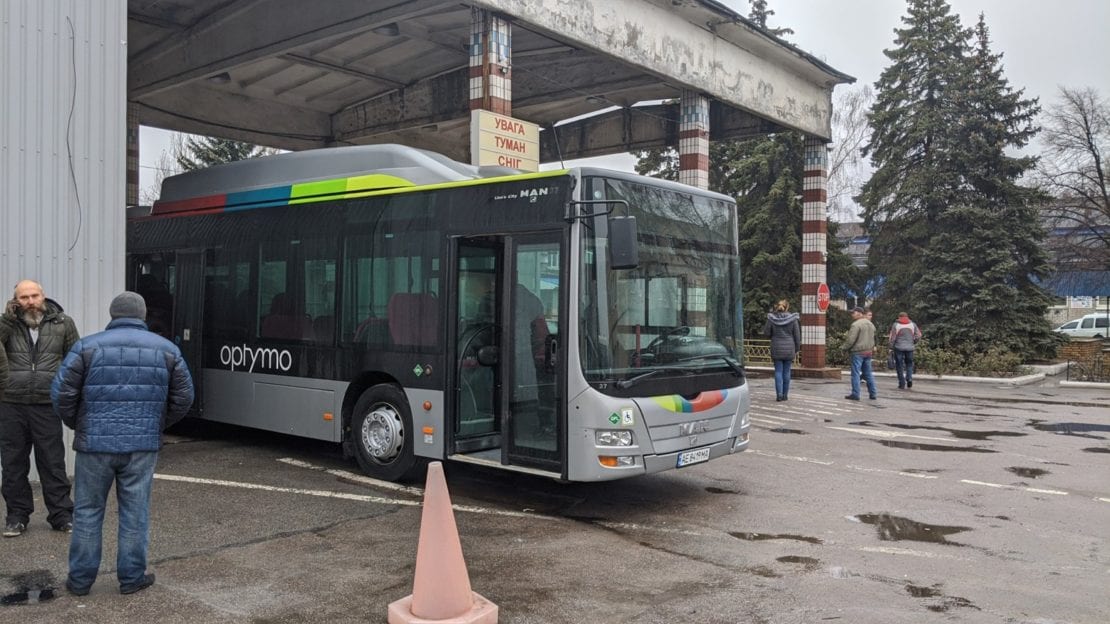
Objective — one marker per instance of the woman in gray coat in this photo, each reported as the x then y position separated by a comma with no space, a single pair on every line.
785,331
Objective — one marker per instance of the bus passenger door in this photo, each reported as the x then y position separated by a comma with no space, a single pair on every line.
477,422
532,361
188,315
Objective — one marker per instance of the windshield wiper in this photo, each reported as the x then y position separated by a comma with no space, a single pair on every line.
631,381
736,369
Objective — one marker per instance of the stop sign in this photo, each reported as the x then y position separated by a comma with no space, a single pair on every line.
823,297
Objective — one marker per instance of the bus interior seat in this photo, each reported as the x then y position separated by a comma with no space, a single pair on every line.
283,322
413,319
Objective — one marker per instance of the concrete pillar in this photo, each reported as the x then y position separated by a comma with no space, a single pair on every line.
132,154
491,77
693,140
814,252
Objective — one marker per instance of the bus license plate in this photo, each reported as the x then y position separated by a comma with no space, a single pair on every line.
695,456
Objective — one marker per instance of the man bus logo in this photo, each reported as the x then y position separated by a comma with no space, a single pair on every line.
240,357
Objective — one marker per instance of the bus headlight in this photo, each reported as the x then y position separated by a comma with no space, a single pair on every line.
614,438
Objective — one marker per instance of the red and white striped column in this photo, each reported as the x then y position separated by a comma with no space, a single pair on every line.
132,191
693,140
814,251
491,77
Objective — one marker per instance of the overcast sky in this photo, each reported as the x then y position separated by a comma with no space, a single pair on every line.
1045,44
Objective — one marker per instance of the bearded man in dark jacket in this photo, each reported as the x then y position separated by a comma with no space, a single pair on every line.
36,334
118,389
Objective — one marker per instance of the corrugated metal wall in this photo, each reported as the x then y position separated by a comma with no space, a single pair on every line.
63,80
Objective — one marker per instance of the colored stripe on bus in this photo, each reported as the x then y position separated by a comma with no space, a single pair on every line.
702,402
317,191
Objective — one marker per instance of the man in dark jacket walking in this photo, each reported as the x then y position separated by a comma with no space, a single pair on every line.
118,389
36,334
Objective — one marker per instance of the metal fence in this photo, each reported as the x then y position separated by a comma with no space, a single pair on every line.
1095,369
758,352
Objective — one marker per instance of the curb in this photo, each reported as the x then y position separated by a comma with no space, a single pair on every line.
1008,381
1085,384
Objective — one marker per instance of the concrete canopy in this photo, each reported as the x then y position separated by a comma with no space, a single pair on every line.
290,74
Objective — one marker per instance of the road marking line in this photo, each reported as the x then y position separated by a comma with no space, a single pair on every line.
790,457
1003,486
887,434
888,550
640,527
350,476
897,472
770,419
1105,500
345,496
766,415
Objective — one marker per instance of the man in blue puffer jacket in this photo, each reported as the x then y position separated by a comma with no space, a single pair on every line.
118,389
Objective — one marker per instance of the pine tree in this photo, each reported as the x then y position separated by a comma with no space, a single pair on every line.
954,234
202,152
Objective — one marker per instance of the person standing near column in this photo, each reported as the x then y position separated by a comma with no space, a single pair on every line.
902,340
860,343
36,334
118,389
785,331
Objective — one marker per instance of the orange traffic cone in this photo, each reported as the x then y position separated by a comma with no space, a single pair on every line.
441,590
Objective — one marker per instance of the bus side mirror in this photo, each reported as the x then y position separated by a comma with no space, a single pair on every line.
624,250
489,355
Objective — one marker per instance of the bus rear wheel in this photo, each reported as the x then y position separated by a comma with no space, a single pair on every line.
382,430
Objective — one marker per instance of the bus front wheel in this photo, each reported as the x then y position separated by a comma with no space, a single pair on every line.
382,429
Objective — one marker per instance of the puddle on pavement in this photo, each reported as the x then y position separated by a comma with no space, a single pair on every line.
808,563
1028,473
913,446
1007,518
922,592
760,537
896,528
786,430
31,588
1079,430
922,470
717,490
962,434
950,602
1096,449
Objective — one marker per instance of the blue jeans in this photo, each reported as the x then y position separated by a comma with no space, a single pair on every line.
861,365
94,474
782,378
903,362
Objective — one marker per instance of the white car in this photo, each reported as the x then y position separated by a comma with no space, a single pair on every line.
1095,325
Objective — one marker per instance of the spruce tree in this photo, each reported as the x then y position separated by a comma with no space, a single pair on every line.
954,234
202,152
985,258
912,146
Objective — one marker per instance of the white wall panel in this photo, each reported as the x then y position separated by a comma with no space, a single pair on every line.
63,76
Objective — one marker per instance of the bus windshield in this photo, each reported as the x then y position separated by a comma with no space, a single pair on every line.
677,312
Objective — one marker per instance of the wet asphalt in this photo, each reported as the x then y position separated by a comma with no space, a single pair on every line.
951,502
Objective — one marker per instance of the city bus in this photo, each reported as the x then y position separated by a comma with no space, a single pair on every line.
579,324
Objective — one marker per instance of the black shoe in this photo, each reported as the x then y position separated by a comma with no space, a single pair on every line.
65,527
75,591
780,398
873,397
146,581
909,384
902,387
14,529
851,398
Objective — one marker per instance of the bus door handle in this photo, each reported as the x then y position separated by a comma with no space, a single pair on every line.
550,353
